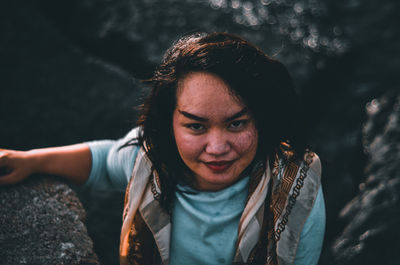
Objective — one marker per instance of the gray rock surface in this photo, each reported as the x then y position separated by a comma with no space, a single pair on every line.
42,222
371,235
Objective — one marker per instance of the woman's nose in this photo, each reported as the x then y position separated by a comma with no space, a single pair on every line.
217,144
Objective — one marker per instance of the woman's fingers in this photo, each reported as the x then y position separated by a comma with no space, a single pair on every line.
5,171
12,167
11,178
3,158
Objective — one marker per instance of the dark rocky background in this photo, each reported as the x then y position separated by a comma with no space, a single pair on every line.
69,73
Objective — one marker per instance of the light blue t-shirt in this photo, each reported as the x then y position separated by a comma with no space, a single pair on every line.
208,231
205,224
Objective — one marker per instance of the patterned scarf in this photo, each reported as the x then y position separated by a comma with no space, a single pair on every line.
259,230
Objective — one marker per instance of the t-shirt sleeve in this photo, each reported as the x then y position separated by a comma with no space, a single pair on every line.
112,163
312,235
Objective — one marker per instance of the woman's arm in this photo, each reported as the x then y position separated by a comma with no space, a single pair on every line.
72,162
103,165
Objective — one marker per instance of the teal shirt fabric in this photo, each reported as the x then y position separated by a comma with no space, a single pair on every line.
312,235
205,224
111,165
112,168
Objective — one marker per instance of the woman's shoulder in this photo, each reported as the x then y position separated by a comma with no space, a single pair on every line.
314,162
133,134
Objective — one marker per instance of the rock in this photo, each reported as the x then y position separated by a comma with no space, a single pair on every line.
42,222
373,216
55,93
135,34
71,96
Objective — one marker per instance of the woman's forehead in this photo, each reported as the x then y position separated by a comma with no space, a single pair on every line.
205,94
197,84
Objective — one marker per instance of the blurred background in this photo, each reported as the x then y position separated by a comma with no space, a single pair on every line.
70,72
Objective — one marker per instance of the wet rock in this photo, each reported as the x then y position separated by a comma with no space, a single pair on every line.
372,217
42,222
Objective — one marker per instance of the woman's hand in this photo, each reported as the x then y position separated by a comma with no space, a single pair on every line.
71,162
15,166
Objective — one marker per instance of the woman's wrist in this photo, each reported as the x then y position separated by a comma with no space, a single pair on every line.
35,160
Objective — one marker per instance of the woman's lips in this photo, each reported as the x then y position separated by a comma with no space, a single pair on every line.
218,166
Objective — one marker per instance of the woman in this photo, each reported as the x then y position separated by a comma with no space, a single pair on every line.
215,173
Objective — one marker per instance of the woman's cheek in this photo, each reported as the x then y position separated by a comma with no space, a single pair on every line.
246,141
189,146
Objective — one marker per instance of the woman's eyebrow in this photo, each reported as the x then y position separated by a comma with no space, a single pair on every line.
238,114
192,116
198,118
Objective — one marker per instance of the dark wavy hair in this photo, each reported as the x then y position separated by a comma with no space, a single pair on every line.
260,82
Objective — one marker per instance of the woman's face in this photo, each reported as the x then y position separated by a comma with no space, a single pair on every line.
215,135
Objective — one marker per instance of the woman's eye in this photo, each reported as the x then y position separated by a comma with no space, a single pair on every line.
237,124
195,127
